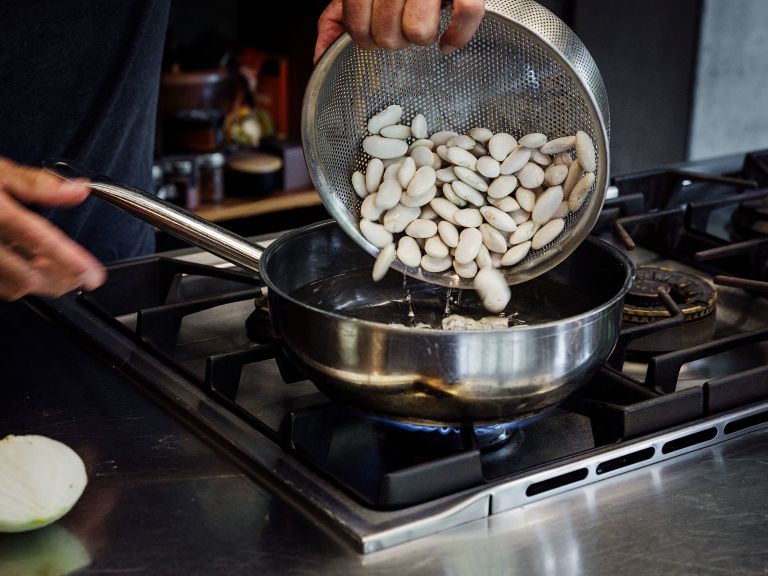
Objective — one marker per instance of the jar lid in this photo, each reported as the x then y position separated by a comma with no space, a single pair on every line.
215,160
255,162
179,165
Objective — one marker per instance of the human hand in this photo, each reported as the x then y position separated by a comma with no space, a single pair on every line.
35,256
394,24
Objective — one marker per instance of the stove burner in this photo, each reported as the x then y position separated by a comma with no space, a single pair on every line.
695,296
454,437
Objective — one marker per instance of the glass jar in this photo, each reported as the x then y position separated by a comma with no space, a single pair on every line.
211,177
181,183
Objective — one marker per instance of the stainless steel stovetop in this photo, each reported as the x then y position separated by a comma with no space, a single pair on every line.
185,344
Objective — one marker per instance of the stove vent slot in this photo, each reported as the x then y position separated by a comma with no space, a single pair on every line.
748,422
626,460
556,482
688,441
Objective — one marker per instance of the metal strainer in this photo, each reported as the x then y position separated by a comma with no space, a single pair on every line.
524,71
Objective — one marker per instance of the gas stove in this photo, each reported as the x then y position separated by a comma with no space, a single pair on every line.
690,370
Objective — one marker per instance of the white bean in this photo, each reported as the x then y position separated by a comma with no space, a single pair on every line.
383,262
516,254
495,260
555,174
419,126
422,156
444,208
482,135
407,170
391,172
493,239
478,151
399,131
502,186
421,228
387,117
448,233
484,258
547,233
422,181
435,247
540,158
563,210
472,178
524,232
530,176
558,145
462,141
440,138
468,270
432,264
389,161
442,152
408,252
389,194
396,219
460,157
585,151
574,175
369,210
581,191
470,241
533,140
493,289
501,145
468,217
547,204
384,148
419,199
437,162
488,166
466,192
375,233
358,184
564,158
427,143
427,213
445,174
526,198
520,216
452,196
498,219
506,204
515,161
373,173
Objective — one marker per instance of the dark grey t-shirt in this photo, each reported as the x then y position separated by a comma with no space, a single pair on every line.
79,80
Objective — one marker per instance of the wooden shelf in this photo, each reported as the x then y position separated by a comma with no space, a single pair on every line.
277,201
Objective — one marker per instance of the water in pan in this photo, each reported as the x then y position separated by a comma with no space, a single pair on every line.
354,294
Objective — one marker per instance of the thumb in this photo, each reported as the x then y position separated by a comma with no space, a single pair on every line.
329,27
35,186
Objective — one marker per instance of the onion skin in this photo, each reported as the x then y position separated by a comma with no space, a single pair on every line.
41,479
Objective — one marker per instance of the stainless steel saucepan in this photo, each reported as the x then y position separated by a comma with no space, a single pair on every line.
357,341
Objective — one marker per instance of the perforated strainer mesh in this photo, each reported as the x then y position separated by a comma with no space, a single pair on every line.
524,71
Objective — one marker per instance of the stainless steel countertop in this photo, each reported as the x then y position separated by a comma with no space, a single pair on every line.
162,501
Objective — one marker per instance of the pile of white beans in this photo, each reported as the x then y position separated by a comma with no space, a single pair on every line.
474,202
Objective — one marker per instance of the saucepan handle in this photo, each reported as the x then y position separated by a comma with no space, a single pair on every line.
166,216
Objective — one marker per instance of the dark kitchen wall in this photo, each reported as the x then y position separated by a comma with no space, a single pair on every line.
646,52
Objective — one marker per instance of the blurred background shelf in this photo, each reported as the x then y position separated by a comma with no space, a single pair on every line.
276,201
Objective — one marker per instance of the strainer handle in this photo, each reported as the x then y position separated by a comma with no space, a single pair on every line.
166,216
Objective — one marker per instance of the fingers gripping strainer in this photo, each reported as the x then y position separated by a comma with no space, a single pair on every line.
524,71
